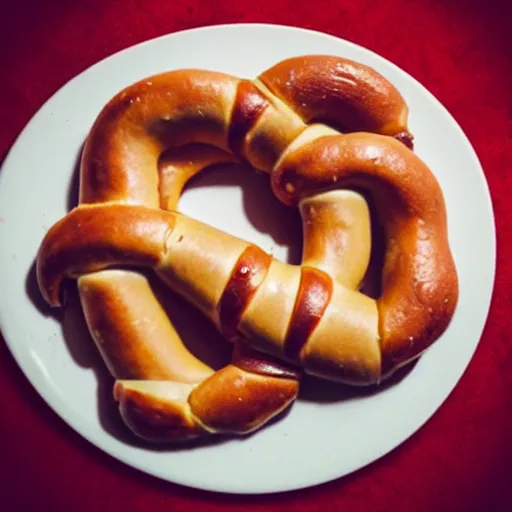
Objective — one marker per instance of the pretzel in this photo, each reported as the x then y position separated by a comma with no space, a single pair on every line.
328,131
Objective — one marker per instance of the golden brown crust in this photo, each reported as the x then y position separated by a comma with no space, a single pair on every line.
155,135
247,275
234,401
274,130
132,332
342,93
167,110
315,292
152,415
231,401
198,263
344,347
91,238
337,235
419,284
249,105
419,279
266,319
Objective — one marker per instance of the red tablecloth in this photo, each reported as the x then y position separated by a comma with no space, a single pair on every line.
461,50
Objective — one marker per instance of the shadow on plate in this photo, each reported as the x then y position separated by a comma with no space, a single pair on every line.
320,391
263,210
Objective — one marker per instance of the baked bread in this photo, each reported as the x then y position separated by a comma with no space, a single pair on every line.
328,131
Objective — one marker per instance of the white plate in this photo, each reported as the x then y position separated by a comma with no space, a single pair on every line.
316,441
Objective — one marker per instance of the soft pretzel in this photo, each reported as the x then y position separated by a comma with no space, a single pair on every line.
283,319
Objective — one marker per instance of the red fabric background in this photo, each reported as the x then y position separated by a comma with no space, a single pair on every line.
461,50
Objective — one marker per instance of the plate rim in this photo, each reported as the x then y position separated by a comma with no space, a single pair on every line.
118,453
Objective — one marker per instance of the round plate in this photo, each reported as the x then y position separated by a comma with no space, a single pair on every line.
325,435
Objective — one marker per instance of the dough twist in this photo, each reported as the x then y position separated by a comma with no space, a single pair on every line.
325,129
